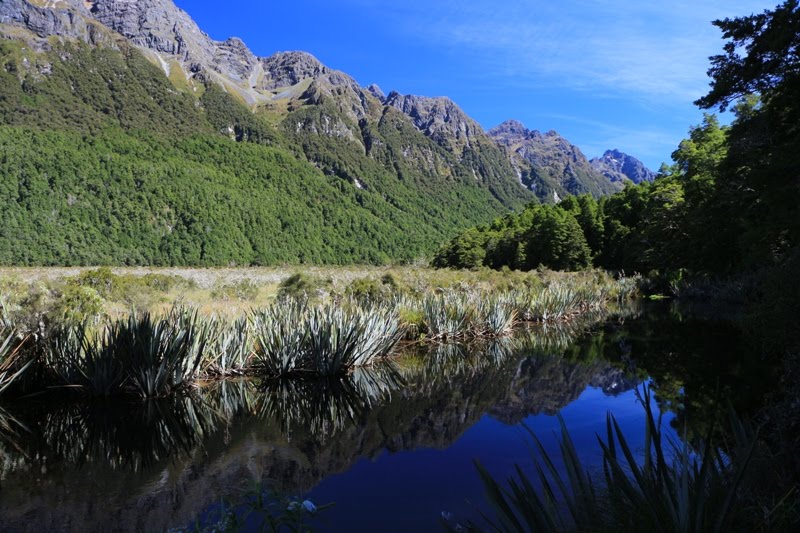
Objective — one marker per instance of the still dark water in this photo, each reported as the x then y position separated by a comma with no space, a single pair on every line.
392,447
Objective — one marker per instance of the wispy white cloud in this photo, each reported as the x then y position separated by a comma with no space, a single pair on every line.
644,50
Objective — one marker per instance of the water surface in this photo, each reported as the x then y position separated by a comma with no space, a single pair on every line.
393,446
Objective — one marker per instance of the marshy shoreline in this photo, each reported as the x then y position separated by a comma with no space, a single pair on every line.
68,333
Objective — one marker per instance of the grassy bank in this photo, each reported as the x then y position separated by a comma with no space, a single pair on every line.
103,332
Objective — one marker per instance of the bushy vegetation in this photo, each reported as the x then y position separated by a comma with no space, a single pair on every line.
153,353
328,340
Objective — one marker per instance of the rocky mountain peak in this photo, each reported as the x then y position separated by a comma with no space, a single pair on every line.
61,18
285,69
377,92
508,129
619,166
437,117
158,25
548,163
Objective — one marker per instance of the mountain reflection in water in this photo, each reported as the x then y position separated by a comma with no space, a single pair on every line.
150,466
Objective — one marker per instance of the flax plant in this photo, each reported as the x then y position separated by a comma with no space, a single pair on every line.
84,361
229,347
325,340
159,356
447,316
13,361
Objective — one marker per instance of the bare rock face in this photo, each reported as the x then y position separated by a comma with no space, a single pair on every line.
438,118
67,19
286,69
376,91
619,166
158,25
234,59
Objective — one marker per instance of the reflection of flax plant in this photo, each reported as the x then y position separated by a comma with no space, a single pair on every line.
10,432
449,362
550,338
326,405
233,397
129,436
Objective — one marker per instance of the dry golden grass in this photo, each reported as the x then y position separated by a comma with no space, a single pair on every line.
233,291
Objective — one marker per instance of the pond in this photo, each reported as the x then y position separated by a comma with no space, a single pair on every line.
393,447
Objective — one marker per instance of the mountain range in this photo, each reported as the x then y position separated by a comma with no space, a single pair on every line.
357,175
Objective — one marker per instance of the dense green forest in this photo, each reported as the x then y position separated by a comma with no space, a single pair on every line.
727,205
104,161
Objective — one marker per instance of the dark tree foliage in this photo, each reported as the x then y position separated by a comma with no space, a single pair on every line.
771,45
758,188
543,235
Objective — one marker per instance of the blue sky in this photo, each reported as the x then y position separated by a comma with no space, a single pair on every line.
605,74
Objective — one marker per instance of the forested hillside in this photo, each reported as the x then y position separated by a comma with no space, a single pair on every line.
105,161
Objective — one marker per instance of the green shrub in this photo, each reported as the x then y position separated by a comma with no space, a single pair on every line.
78,304
139,292
366,290
298,286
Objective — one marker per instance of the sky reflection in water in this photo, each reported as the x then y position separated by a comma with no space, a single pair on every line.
409,491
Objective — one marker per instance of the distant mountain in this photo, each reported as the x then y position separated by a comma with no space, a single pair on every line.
550,165
618,166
